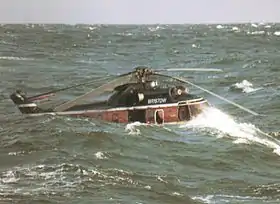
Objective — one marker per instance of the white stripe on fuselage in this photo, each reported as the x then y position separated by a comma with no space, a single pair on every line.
27,105
194,101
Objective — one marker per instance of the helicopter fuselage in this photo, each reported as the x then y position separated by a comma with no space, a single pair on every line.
142,102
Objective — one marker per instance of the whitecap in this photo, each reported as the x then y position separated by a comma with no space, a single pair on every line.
153,29
205,199
259,32
215,119
225,198
177,194
14,58
131,128
245,86
9,177
124,34
241,141
161,180
92,28
16,153
100,155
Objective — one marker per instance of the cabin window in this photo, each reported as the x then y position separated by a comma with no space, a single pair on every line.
183,113
159,116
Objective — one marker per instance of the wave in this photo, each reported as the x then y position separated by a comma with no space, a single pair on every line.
220,198
15,58
224,125
245,86
68,179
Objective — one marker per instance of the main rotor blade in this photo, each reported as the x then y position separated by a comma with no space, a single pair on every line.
75,86
191,69
210,92
122,79
66,88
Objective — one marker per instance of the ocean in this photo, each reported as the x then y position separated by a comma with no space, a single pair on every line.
224,155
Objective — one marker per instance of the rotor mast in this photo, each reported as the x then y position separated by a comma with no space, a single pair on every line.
142,74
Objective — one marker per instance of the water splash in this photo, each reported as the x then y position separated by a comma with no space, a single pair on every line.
132,129
258,32
225,125
277,33
235,29
245,86
100,155
15,58
209,199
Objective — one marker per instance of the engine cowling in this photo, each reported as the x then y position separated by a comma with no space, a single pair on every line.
177,91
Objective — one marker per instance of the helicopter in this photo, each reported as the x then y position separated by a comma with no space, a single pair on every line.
143,95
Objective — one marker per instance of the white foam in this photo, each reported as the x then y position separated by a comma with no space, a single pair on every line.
206,199
92,28
277,33
177,194
16,153
131,128
125,34
245,86
259,32
9,177
225,198
219,26
161,180
240,132
100,155
153,29
14,58
235,28
6,43
242,141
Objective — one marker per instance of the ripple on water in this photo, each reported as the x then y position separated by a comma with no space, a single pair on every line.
215,158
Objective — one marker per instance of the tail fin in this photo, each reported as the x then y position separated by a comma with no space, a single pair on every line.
24,105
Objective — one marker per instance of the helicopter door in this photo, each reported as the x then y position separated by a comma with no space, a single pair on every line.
159,116
137,115
184,113
150,115
115,118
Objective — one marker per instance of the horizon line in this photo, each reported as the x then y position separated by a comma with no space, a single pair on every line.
104,23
